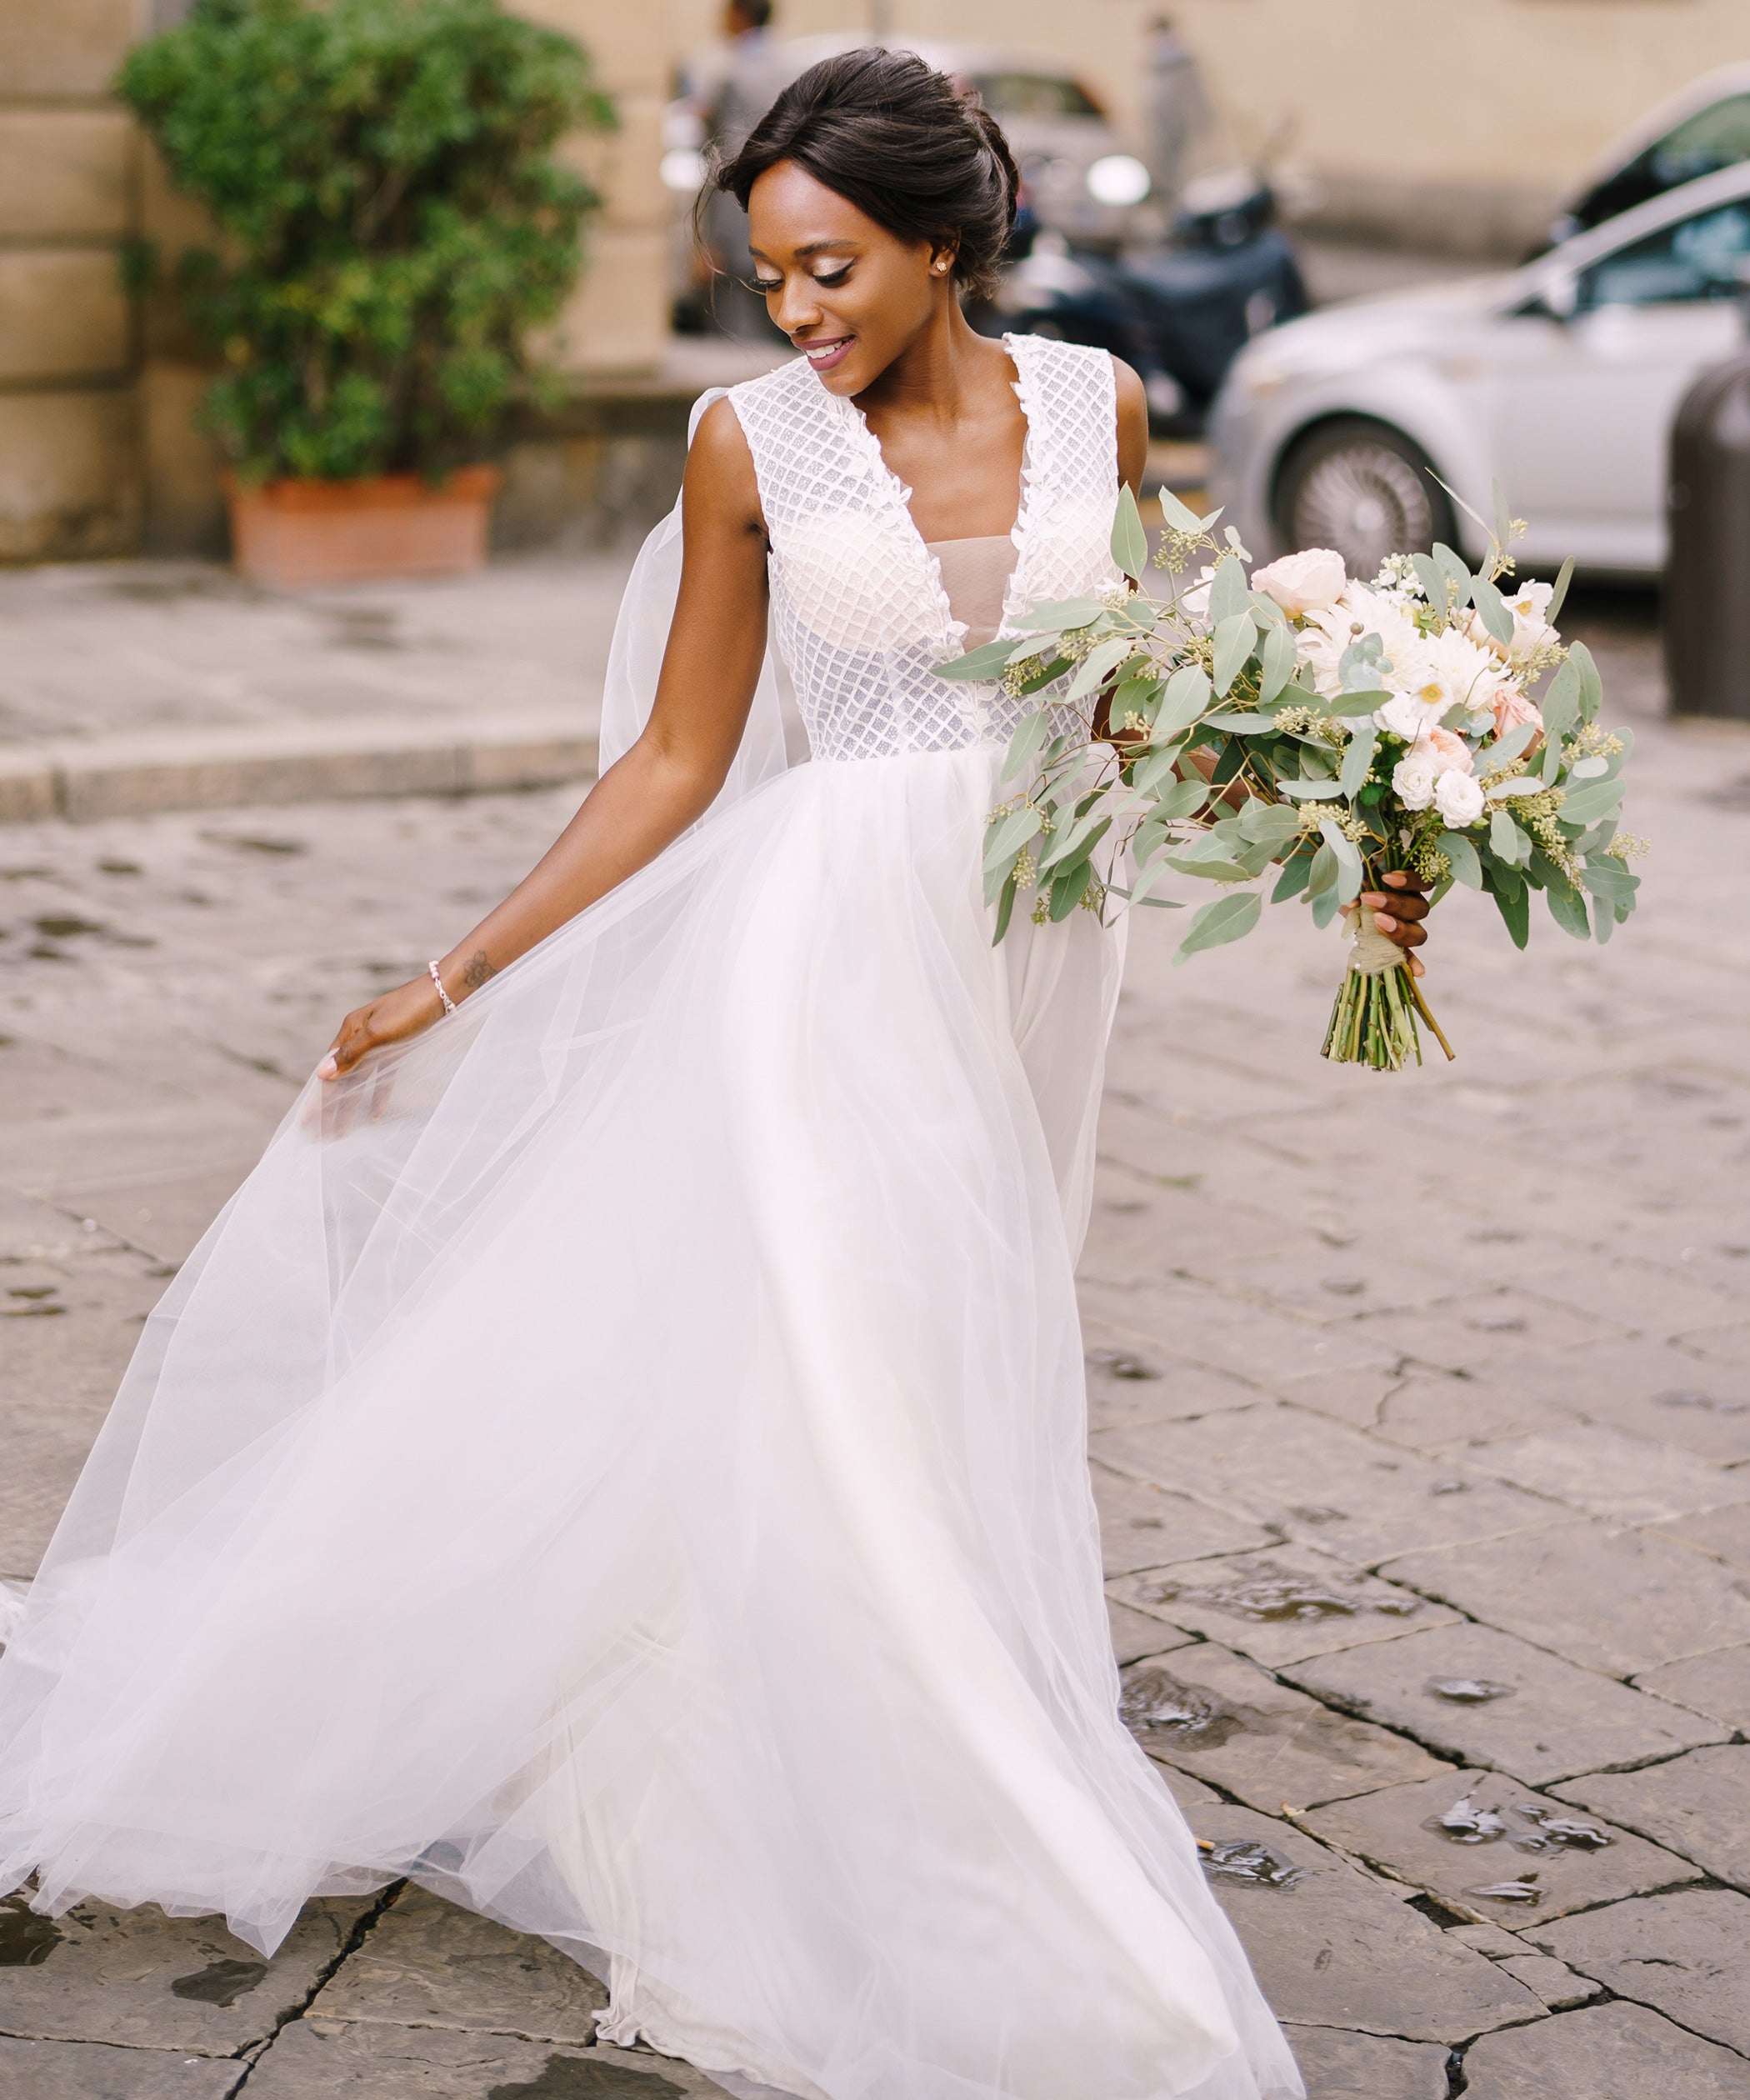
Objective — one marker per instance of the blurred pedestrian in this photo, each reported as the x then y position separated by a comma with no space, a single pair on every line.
1175,108
738,81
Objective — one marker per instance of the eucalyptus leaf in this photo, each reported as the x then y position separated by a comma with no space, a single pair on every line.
1321,875
1241,725
1267,821
1312,790
1456,572
1505,837
1005,908
1586,805
1178,517
1213,871
1058,615
1514,906
1358,758
1189,694
1560,706
1609,879
1558,596
1362,666
1234,638
1503,518
1510,790
1097,666
1428,574
1349,861
1591,686
990,661
1184,798
1462,855
1078,842
1025,743
1357,703
1491,609
1010,833
1155,768
1276,661
1227,918
1293,877
1508,747
1567,908
1229,594
1129,542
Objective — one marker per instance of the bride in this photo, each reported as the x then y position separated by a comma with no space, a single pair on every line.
619,1459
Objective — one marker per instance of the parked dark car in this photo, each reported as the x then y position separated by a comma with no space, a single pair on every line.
1180,313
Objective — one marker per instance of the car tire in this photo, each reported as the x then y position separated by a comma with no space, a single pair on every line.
1363,488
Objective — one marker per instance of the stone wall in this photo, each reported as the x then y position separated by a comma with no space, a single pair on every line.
98,455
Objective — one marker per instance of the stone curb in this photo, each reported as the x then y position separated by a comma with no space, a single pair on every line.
304,762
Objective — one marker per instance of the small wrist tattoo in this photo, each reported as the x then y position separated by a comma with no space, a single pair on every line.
477,970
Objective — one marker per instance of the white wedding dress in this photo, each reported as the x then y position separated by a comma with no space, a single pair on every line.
619,1458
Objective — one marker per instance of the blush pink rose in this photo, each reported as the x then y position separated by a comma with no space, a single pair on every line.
1510,707
1453,752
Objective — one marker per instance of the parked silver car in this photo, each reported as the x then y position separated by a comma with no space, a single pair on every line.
1561,378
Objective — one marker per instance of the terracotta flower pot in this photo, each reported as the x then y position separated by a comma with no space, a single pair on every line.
290,534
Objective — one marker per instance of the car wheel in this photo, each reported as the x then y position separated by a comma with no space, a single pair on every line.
1364,489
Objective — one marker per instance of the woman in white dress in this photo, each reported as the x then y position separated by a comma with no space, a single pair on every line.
619,1458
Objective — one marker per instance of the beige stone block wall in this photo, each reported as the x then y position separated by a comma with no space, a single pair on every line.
64,174
62,315
70,479
64,47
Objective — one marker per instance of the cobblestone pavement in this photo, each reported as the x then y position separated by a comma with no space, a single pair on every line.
1421,1428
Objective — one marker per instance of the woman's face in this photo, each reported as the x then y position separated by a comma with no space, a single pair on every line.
849,295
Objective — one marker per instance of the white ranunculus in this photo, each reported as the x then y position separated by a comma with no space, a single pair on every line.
1403,717
1458,798
1415,775
1309,582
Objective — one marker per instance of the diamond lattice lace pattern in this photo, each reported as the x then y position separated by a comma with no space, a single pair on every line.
860,615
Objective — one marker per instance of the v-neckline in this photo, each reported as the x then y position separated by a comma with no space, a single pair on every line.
900,495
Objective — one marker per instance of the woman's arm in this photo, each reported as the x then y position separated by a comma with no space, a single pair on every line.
671,775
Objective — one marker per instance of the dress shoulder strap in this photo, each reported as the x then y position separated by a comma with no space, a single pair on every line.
805,455
1070,472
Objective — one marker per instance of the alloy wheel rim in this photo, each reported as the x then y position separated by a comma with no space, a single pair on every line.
1366,501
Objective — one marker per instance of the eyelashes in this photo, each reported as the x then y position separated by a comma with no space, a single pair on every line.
765,286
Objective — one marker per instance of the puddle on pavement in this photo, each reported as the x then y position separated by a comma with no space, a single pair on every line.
1318,1514
1344,1286
575,2078
1461,1691
1450,1487
255,845
1122,1363
1155,1701
1525,1890
38,1302
1270,1593
63,926
26,1940
1497,1322
1536,1829
1685,1398
220,1983
1249,1863
120,868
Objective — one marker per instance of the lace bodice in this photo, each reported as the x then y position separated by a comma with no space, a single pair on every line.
859,612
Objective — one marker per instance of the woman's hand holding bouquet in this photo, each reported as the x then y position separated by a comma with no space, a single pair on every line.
1372,742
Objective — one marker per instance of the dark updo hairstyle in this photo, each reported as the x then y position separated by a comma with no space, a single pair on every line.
898,140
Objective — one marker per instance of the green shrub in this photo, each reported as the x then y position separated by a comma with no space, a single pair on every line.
394,220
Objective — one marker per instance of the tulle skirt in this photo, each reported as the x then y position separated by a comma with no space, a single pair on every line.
619,1461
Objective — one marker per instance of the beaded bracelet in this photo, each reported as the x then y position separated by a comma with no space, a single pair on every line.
449,1004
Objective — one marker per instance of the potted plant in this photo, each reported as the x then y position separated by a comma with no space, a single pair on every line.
394,224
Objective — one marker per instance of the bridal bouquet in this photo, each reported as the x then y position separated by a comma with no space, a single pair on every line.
1333,730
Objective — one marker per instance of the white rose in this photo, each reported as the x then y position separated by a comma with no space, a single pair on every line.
1529,606
1403,717
1413,777
1458,798
1309,582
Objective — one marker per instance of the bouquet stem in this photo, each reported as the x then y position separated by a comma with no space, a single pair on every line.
1374,1019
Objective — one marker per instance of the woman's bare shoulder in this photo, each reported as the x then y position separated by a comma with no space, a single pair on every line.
1133,402
720,477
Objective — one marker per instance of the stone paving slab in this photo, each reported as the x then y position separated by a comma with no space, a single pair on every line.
95,2070
1339,1949
1433,1412
1559,1988
150,1981
340,2061
1481,1696
1132,1382
1315,1480
426,1963
1602,2052
1135,1635
1146,1526
1723,1534
1389,1829
1340,2066
1615,1601
1609,1474
1220,1717
1698,1806
1281,1606
1717,1685
1687,1955
1647,1389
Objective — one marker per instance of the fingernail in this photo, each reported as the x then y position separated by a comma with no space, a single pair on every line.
1386,925
328,1068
